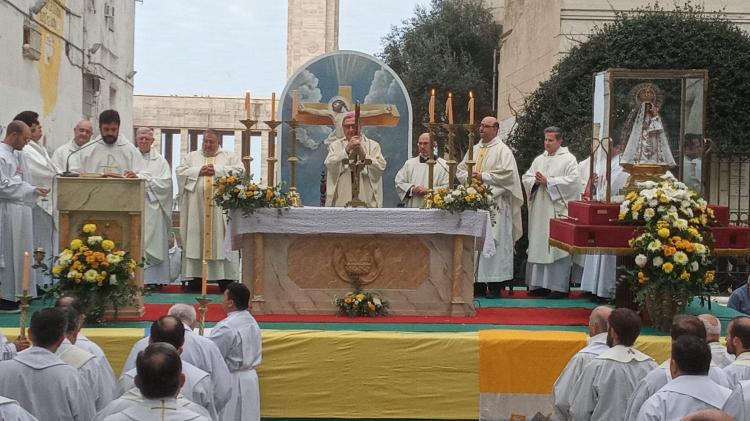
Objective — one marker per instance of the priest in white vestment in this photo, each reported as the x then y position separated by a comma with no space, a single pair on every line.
340,174
239,340
719,355
578,260
8,350
682,325
551,183
738,343
691,389
738,403
195,177
496,167
158,218
597,343
111,153
412,180
40,381
601,390
43,172
65,154
10,410
133,398
17,196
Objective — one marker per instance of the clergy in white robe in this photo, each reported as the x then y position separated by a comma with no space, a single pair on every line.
158,217
195,177
564,386
339,174
738,343
8,350
239,340
578,260
168,409
601,390
550,183
40,381
412,180
719,355
133,398
81,135
111,152
10,410
496,167
738,403
17,196
691,390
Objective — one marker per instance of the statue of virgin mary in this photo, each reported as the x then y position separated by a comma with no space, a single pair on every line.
647,142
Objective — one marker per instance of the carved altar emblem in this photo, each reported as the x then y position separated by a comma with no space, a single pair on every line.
358,266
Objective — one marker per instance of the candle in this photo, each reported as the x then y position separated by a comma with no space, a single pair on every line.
449,108
247,105
26,269
204,280
471,108
273,106
432,106
295,105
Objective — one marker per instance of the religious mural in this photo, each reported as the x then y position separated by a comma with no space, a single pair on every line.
328,87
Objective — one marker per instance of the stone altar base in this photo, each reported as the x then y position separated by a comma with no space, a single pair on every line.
303,274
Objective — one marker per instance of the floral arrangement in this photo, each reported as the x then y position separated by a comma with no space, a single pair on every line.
672,255
474,196
361,303
93,269
235,192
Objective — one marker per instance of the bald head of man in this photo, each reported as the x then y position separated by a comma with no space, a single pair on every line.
488,129
713,327
708,415
424,145
598,320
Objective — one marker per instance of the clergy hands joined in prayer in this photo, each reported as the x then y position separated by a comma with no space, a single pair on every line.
418,190
353,142
207,170
540,178
41,191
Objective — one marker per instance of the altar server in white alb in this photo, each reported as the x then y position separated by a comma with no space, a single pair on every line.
738,343
682,325
43,172
602,388
239,340
111,153
158,378
39,380
81,135
719,355
597,343
195,177
412,180
551,183
496,167
17,196
691,389
158,218
599,270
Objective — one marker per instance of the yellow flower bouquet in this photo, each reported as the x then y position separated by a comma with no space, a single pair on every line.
93,269
474,196
361,303
235,192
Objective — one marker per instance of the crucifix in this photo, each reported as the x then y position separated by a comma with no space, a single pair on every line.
357,161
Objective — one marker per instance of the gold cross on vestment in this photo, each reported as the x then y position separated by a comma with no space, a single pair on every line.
110,167
357,161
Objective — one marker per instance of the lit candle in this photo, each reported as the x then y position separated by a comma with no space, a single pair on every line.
247,105
295,105
471,108
204,280
432,106
273,106
449,107
26,269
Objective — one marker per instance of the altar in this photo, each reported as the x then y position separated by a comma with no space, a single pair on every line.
298,260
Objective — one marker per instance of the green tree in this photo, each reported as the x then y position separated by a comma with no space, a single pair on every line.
448,46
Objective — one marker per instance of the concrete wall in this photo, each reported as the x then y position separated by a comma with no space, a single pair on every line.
312,30
52,82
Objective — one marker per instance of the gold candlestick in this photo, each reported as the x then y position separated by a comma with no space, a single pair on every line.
247,157
428,203
24,298
271,160
451,129
470,129
294,197
202,310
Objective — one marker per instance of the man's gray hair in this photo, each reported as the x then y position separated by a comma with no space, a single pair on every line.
712,324
554,130
143,130
184,312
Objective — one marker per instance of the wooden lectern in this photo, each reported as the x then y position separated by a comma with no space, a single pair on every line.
116,206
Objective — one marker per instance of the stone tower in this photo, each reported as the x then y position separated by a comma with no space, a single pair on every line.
312,29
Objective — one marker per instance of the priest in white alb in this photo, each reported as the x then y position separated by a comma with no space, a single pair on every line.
158,218
65,154
10,410
719,355
17,196
340,174
43,172
111,153
551,183
195,179
496,167
597,343
738,403
738,344
412,180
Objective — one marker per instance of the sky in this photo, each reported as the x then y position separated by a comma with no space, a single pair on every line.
200,47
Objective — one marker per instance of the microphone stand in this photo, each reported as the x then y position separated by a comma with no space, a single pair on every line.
67,172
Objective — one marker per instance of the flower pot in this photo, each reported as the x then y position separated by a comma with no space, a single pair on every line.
662,306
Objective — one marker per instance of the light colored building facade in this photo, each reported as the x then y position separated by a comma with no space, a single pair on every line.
67,60
312,30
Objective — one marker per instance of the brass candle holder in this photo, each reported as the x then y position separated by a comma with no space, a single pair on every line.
202,310
271,159
24,299
247,157
294,197
451,129
471,130
428,202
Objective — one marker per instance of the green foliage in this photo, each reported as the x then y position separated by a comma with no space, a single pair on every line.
448,46
650,38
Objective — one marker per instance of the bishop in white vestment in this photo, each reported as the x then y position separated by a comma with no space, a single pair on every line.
550,183
412,180
67,152
10,410
496,167
340,174
158,206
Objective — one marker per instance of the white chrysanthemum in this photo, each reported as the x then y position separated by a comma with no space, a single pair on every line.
681,223
471,190
114,259
648,194
653,203
72,274
693,266
113,279
700,249
654,245
648,214
641,260
680,258
449,199
635,215
657,262
90,275
94,239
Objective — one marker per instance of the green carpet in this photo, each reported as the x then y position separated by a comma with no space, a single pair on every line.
533,303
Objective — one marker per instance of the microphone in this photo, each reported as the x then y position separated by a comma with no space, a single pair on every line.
67,172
